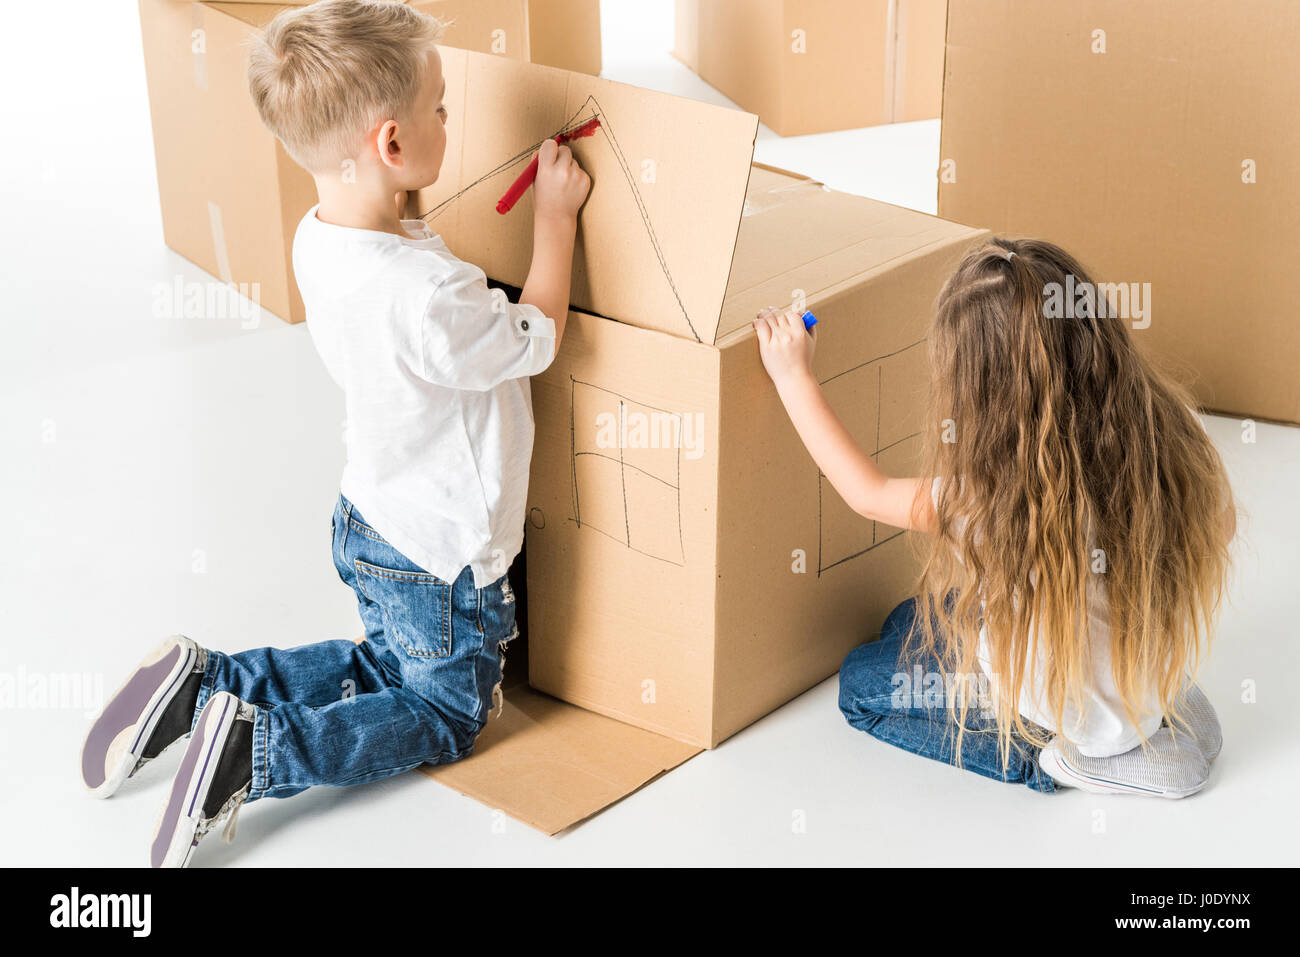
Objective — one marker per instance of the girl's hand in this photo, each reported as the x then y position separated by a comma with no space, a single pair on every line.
785,346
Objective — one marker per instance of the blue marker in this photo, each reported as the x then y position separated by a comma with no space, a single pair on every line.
809,320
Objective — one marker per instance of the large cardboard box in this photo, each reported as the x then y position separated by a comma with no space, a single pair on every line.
231,196
811,66
689,569
1156,142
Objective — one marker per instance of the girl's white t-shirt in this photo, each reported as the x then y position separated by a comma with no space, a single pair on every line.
1101,727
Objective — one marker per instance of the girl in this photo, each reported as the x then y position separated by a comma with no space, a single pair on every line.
1079,521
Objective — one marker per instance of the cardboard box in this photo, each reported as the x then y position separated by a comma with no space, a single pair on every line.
811,66
561,33
564,34
231,196
689,570
1154,141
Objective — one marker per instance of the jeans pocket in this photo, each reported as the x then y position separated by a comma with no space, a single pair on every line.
415,607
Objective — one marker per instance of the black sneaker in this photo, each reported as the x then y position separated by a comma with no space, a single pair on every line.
214,780
153,708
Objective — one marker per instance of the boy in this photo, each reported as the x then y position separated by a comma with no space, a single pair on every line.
431,506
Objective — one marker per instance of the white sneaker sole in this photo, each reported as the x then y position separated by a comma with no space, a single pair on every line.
1065,774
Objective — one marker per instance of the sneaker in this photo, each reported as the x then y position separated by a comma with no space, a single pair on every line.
152,709
1199,717
214,780
1165,769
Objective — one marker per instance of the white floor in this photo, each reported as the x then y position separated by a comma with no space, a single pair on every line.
178,475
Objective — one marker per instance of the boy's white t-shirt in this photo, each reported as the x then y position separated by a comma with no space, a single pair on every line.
434,368
1102,727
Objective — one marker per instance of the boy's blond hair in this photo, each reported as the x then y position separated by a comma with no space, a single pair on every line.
323,75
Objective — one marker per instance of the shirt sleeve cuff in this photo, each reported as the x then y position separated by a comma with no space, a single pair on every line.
531,321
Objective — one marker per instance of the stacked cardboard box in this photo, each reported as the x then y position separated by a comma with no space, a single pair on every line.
1155,141
810,66
689,569
231,197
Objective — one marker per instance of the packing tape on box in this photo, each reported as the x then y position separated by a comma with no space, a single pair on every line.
893,32
898,75
199,46
763,200
219,243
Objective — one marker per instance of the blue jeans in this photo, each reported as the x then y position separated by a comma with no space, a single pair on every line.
417,690
880,694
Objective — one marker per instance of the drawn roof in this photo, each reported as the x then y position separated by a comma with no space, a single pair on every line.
669,176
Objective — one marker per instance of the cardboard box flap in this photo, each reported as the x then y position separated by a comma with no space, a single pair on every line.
668,185
552,765
838,237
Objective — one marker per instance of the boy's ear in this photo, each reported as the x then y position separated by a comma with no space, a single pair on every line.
390,151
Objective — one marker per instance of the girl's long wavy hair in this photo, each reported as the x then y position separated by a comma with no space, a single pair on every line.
1065,461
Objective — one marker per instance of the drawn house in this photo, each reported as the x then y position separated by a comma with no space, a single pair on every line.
686,592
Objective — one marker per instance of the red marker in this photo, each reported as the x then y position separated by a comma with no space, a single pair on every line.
520,186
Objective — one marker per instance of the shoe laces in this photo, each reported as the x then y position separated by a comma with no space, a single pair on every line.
232,826
230,811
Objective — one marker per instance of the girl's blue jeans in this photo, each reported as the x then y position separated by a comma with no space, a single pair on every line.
899,700
417,690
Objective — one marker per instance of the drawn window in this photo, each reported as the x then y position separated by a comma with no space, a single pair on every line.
627,471
872,399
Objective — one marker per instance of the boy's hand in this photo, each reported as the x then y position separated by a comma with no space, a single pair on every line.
561,185
785,346
559,191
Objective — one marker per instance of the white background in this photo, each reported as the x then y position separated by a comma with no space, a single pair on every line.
129,442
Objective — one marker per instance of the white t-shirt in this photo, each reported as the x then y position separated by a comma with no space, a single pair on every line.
434,367
1102,728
